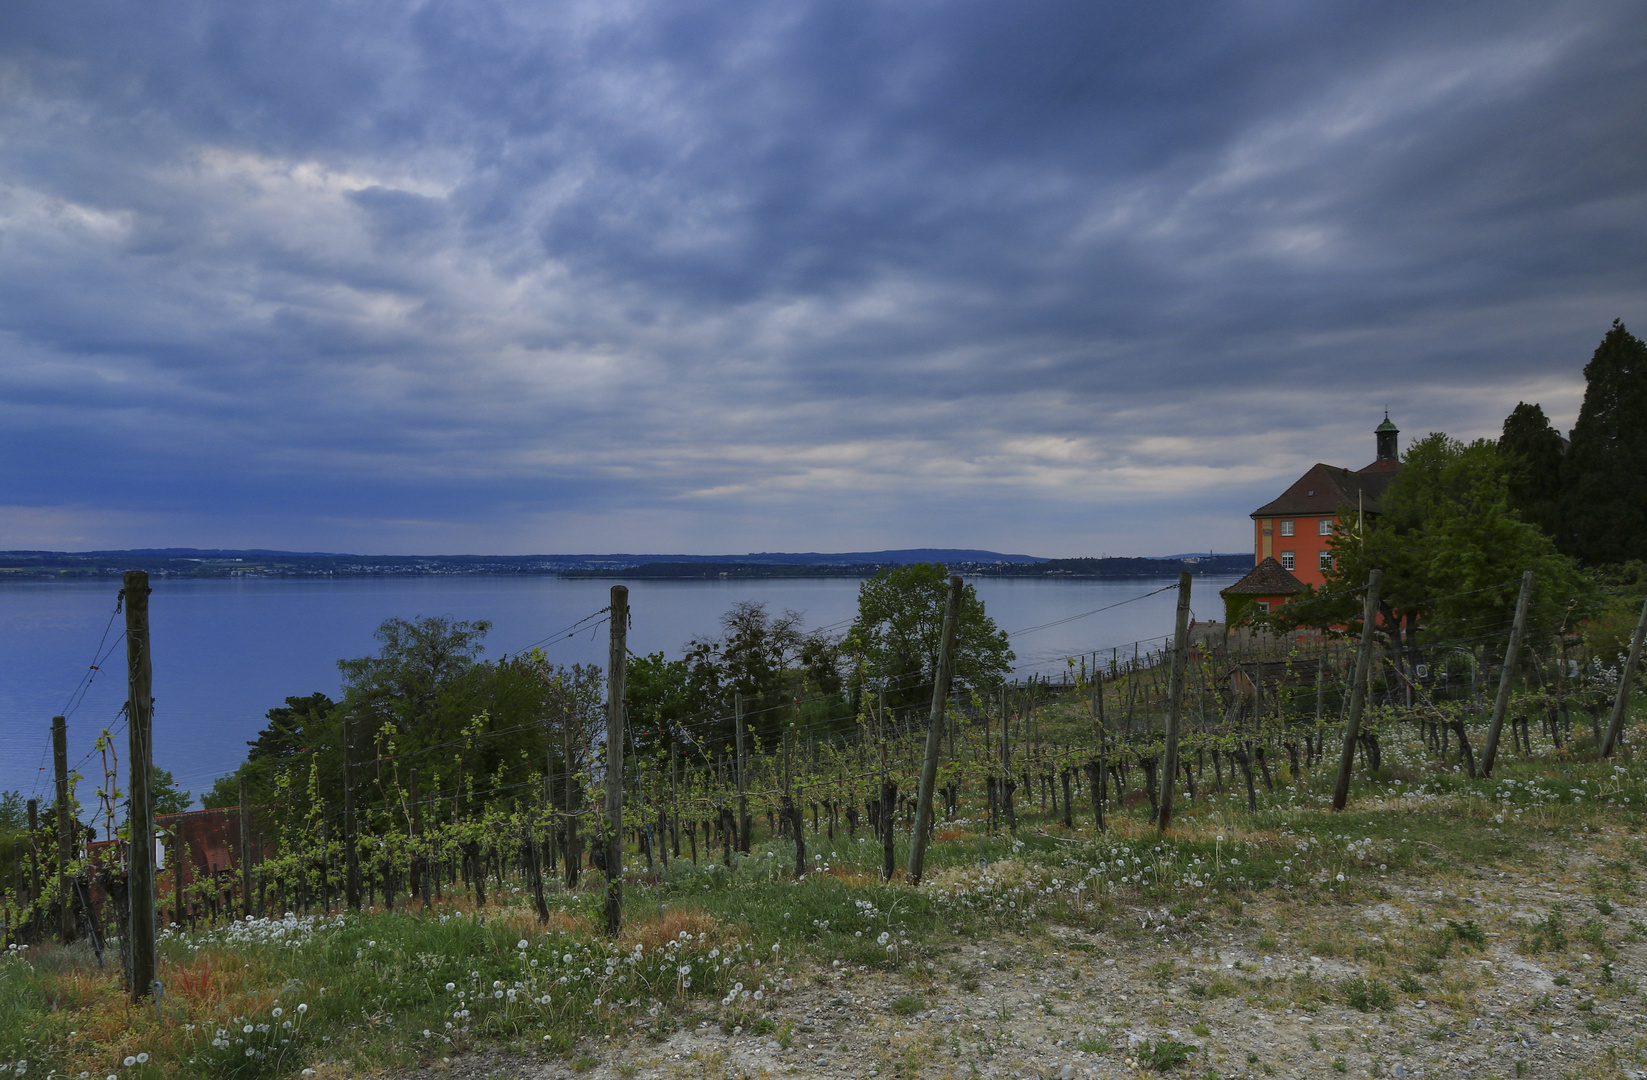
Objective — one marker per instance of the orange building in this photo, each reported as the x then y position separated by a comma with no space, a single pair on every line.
1290,534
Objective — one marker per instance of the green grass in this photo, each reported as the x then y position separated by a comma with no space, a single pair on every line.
1365,994
1163,1055
373,984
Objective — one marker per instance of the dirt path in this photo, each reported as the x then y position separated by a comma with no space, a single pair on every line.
1262,991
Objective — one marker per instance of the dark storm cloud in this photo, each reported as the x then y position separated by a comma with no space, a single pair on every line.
742,275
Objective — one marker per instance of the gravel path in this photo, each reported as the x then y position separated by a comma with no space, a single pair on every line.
1257,992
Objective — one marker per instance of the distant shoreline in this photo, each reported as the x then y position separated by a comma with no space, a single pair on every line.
231,565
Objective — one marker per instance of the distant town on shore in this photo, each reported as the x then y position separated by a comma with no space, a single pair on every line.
222,563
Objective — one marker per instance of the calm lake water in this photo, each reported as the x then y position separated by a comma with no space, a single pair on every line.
225,652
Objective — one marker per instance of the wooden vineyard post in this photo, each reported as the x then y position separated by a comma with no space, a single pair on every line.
935,732
1358,691
534,849
245,849
789,812
549,813
1175,702
1615,726
140,816
325,862
1007,768
351,854
889,795
572,855
178,849
617,664
1511,653
743,777
675,792
34,850
65,833
420,864
1099,781
1320,705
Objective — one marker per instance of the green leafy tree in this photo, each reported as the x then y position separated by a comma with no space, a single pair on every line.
169,796
1531,451
425,699
665,699
1604,476
412,678
771,661
14,812
282,739
899,628
301,722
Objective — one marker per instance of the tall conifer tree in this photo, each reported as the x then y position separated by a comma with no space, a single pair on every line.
1604,476
1531,451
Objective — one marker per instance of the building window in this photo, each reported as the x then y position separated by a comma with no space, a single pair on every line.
1324,527
1286,528
1325,561
1264,606
1286,560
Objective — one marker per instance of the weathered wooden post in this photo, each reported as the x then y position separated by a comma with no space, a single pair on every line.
935,731
1358,691
65,826
1096,766
743,776
351,852
140,753
1008,785
178,851
1175,704
420,863
617,665
573,853
245,849
34,850
1512,652
1615,726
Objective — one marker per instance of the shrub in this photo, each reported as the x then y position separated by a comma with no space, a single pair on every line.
1468,932
1165,1054
1365,994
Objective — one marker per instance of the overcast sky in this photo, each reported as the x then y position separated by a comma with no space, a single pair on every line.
1058,278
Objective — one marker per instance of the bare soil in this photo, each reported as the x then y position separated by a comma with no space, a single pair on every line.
1258,988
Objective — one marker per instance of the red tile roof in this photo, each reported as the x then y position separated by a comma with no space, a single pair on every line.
1266,579
1325,489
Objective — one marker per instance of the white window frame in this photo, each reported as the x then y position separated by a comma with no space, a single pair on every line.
1289,559
1324,527
1323,561
1264,606
1286,527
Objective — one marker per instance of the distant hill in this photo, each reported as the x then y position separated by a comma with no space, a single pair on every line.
898,557
716,571
255,562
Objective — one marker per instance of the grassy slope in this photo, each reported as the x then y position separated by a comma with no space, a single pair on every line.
374,986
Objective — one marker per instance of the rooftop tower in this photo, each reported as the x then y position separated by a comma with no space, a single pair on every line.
1386,433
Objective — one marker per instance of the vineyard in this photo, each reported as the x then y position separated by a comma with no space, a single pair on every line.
621,892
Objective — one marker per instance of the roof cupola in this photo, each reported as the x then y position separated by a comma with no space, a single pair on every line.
1386,434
